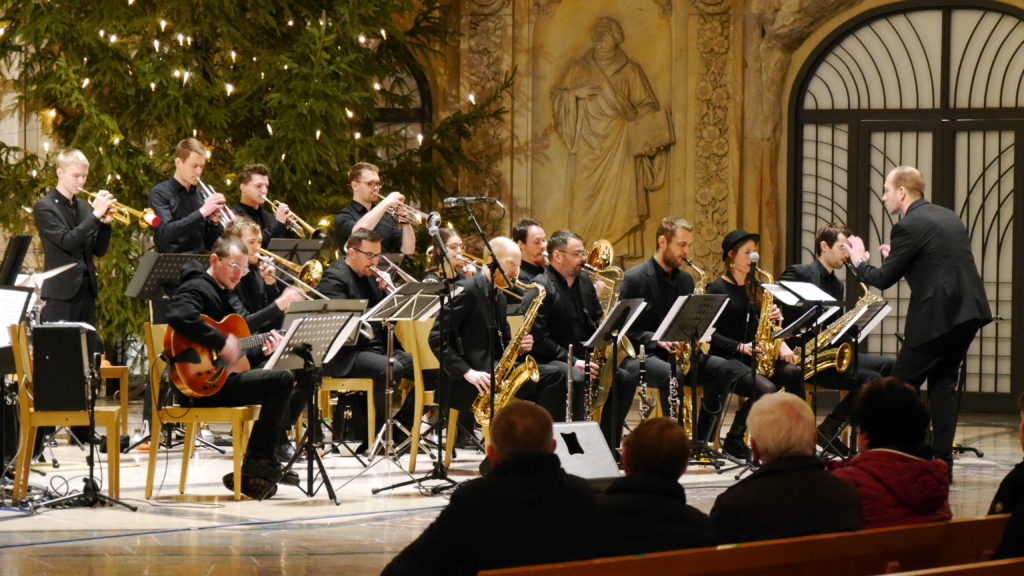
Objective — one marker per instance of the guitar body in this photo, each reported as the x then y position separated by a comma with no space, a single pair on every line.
204,377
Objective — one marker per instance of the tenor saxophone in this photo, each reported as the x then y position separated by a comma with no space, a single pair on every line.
508,377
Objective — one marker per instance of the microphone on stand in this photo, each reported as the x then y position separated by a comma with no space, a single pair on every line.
453,201
434,229
754,259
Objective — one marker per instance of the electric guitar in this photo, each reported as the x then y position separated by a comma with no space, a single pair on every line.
199,371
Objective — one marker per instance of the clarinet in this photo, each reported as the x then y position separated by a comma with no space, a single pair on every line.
568,387
645,401
588,397
673,394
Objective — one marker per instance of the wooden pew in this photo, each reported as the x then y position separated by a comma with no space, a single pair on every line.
1011,567
878,551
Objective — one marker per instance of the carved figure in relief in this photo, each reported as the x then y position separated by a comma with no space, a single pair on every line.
609,119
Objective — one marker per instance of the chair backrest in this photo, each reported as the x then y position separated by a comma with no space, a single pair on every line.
22,363
414,336
154,337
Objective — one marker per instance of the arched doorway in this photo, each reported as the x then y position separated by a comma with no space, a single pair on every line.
939,86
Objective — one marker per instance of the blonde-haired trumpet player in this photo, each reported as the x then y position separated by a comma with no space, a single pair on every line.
73,232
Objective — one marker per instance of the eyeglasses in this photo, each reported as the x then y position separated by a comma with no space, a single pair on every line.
577,253
235,267
371,183
369,255
456,246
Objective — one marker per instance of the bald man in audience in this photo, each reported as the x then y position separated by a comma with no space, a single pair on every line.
646,510
791,494
527,510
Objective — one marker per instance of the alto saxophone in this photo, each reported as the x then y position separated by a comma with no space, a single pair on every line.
508,377
768,347
683,352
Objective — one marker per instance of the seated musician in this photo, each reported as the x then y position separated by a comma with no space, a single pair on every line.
569,314
438,268
465,356
254,184
207,292
533,243
831,254
735,336
354,277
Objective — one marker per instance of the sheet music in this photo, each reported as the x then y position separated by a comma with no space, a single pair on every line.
287,337
874,322
666,322
14,303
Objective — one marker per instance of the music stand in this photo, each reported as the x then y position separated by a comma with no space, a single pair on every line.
691,319
615,324
14,256
313,328
298,250
411,301
14,303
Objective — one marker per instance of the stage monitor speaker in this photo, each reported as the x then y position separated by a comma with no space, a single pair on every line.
583,451
60,367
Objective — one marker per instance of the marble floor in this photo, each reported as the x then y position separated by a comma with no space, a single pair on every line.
206,532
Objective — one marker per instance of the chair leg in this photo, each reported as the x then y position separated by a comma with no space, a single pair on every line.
24,463
191,431
113,426
450,435
417,416
239,434
154,445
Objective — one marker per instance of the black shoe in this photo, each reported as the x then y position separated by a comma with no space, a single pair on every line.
466,440
362,448
93,438
254,487
265,468
289,478
284,452
125,442
735,447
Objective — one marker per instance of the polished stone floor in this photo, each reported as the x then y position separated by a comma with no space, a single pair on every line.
206,532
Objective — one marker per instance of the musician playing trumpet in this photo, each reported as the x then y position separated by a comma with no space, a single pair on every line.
73,232
396,237
254,185
189,223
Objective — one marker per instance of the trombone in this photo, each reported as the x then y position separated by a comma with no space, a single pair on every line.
297,225
405,213
305,277
123,214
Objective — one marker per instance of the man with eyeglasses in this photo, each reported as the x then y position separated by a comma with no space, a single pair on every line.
529,236
569,315
361,213
206,291
352,278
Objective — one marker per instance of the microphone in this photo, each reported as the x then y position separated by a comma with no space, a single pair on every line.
453,201
754,259
433,222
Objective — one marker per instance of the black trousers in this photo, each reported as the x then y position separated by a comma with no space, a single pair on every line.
272,390
551,390
938,362
869,366
374,364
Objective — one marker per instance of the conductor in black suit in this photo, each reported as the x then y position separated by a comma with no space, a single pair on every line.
831,252
72,232
352,278
931,248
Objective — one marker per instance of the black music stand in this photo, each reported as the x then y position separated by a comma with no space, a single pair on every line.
690,319
298,250
315,330
14,256
411,301
14,303
615,325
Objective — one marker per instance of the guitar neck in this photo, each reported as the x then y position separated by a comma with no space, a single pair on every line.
254,342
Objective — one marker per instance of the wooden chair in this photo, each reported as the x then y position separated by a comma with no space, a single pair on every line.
240,418
344,385
121,374
108,417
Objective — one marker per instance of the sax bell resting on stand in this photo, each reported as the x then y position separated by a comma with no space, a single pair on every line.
817,354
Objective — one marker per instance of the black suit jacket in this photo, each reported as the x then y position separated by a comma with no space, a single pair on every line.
553,329
468,336
931,248
812,273
340,282
67,243
641,281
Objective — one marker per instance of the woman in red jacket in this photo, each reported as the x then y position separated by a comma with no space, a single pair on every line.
898,480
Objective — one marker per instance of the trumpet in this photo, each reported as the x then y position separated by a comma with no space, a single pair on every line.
405,213
205,190
124,214
306,276
297,225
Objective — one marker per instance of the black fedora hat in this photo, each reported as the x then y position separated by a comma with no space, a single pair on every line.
734,239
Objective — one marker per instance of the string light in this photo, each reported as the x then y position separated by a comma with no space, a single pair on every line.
156,45
229,88
419,139
291,22
234,56
163,25
85,83
113,38
362,39
130,2
283,154
376,86
383,34
46,146
317,134
349,113
117,140
181,39
269,129
472,98
357,135
102,33
227,181
3,30
34,173
52,113
152,86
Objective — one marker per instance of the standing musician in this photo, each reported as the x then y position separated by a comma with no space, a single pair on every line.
570,314
466,358
254,184
353,278
932,250
831,252
529,236
361,213
189,224
735,337
72,232
659,281
207,292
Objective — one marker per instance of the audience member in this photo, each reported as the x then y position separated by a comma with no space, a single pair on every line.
646,510
791,494
898,480
1010,498
527,510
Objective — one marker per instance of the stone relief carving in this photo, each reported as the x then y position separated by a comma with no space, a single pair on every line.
616,134
487,6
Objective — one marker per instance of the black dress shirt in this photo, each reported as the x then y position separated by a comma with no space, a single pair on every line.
269,226
183,229
390,232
